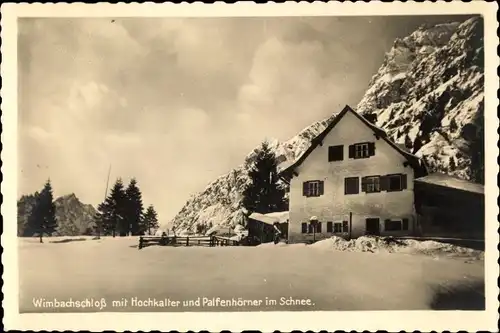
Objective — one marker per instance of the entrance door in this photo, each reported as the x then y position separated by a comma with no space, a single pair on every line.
373,226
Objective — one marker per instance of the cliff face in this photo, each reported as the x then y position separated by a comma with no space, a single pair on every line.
427,95
73,216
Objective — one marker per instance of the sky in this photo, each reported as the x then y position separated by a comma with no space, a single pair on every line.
177,102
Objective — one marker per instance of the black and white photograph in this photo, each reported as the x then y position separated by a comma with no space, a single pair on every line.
254,164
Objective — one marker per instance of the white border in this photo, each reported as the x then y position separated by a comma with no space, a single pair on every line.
264,321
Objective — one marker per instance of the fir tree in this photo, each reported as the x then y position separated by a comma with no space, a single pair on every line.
25,206
151,219
42,219
264,194
111,212
134,209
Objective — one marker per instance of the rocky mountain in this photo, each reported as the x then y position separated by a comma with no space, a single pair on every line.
427,95
73,217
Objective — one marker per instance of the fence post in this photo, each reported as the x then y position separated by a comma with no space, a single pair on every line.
187,241
140,242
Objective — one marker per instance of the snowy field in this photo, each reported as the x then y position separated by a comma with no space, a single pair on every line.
115,270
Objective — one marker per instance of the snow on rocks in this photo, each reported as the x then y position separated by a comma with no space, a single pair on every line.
428,93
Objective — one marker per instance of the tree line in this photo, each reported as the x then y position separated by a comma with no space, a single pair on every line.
122,213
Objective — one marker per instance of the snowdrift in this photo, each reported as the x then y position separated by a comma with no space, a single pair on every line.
392,245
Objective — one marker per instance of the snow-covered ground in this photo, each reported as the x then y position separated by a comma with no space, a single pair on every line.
114,269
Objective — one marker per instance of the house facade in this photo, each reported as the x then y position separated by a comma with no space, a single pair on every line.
352,181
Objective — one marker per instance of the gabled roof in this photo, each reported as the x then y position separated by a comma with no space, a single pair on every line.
444,180
413,160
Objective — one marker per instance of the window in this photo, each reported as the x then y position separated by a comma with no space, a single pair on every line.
313,188
395,182
345,226
370,184
351,185
309,228
362,150
335,153
337,227
396,224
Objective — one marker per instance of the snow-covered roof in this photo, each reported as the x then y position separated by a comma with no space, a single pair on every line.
442,179
271,218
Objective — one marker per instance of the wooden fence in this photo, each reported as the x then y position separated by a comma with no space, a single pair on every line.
208,241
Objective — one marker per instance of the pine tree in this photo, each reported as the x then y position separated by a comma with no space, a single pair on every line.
25,206
134,209
111,212
151,219
42,219
264,194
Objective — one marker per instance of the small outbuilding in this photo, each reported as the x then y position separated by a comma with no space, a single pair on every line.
261,226
449,207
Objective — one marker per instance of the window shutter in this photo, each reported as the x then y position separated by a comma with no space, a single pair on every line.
329,226
384,183
405,224
331,154
335,153
404,182
356,191
363,184
318,227
321,187
371,148
305,188
304,228
351,151
345,226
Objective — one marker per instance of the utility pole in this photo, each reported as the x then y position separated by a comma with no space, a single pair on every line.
99,227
